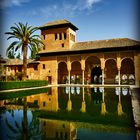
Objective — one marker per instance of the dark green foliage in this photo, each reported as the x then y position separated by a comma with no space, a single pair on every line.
22,84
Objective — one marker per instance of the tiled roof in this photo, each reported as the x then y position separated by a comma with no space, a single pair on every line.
99,44
58,23
19,61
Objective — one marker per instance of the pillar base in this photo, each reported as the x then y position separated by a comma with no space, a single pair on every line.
103,108
120,111
83,108
69,105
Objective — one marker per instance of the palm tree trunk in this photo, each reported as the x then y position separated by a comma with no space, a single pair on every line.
24,62
25,120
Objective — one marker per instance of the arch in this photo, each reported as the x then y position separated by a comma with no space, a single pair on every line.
76,70
62,72
127,68
90,63
61,62
127,58
75,61
96,75
91,57
110,59
110,71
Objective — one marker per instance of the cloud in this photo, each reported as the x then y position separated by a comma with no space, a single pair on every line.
89,3
10,3
69,8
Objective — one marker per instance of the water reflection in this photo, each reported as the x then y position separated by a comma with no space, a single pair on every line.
59,130
99,105
18,123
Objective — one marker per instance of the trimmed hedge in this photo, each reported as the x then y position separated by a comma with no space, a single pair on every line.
22,84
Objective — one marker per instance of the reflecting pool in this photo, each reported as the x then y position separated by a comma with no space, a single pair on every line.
68,113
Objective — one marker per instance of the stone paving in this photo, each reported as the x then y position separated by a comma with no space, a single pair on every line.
135,96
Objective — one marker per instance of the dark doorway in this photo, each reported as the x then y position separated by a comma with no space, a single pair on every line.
49,79
95,75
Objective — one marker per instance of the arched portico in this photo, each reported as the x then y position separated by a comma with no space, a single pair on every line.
110,71
62,72
96,72
92,68
76,71
127,71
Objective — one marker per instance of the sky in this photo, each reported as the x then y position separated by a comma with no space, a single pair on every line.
95,19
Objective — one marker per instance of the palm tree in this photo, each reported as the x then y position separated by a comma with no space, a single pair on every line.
25,38
11,54
25,129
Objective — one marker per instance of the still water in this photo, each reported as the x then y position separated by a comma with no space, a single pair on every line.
93,114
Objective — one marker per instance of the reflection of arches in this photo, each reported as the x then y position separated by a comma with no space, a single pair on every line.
110,71
90,63
76,68
127,66
62,72
95,75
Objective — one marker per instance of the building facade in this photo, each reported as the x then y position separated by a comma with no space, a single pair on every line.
64,60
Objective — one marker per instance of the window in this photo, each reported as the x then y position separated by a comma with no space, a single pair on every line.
44,123
44,37
56,135
62,45
43,66
35,102
44,104
61,134
43,47
72,37
56,36
65,35
35,67
66,135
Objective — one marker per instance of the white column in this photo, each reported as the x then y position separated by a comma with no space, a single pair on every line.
102,76
119,75
103,94
83,94
119,68
69,76
69,82
83,76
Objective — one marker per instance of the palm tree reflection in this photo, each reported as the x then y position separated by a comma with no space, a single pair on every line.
24,130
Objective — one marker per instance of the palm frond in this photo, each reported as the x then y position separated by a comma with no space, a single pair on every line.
11,46
11,137
18,127
18,46
10,126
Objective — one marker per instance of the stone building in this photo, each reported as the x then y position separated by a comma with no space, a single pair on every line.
64,60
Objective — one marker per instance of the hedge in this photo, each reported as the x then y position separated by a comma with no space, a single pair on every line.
22,84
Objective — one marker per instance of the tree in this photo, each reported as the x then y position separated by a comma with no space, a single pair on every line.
34,53
25,38
11,54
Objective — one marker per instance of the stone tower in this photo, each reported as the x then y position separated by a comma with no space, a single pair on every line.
57,35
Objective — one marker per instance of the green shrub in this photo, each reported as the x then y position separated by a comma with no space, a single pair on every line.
22,84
